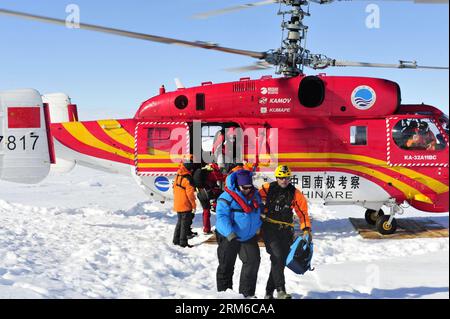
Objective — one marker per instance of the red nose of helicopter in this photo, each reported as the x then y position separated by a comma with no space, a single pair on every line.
439,204
434,203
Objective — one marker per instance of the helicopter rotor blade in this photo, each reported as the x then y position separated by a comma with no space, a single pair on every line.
135,35
208,14
260,65
400,65
432,1
415,1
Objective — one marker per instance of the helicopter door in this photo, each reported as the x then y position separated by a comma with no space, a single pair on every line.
416,141
159,149
218,143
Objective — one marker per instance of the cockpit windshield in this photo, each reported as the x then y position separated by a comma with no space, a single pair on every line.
419,134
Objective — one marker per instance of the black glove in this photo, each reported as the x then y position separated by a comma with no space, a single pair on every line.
307,235
231,237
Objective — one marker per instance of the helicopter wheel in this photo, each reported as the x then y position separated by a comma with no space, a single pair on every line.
383,226
373,215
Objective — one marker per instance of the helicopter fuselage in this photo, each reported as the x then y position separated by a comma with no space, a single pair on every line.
345,138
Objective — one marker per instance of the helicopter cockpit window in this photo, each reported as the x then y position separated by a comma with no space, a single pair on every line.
418,134
158,134
358,135
157,139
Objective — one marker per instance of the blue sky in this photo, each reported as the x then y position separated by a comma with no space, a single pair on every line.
109,76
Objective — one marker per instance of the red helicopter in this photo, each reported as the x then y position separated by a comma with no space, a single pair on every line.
348,140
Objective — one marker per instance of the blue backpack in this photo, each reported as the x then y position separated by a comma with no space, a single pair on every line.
300,256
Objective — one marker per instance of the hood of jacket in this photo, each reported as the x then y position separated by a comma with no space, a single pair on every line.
183,170
231,183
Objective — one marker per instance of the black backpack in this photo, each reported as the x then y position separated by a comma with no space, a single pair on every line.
200,178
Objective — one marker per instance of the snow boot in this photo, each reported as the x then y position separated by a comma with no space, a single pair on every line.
269,296
281,294
192,235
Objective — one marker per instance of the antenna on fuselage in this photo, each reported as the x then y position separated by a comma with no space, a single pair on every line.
179,84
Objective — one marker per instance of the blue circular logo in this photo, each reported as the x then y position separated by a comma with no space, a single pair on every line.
364,97
162,183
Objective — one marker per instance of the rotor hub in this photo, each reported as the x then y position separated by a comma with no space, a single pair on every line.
291,54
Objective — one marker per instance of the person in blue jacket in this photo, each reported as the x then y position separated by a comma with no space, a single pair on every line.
238,221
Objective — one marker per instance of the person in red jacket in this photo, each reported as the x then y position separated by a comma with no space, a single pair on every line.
208,180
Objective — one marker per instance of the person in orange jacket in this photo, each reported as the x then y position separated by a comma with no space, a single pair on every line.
184,203
281,198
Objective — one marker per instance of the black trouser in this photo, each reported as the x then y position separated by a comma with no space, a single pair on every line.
183,228
249,255
278,241
203,196
191,220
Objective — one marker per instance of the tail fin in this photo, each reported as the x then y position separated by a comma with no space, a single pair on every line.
26,151
61,110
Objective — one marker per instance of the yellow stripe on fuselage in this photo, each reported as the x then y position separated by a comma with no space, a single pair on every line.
158,165
115,130
82,134
159,156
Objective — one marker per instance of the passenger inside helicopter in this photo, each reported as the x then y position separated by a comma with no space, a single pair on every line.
418,134
226,147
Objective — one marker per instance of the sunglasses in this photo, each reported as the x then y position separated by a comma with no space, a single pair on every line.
246,188
284,178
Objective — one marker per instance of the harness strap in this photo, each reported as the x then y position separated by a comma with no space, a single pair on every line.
277,222
246,208
224,200
179,181
180,178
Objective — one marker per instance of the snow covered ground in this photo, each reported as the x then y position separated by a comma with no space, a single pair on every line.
89,234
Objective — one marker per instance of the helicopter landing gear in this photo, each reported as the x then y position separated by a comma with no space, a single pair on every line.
373,215
387,224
